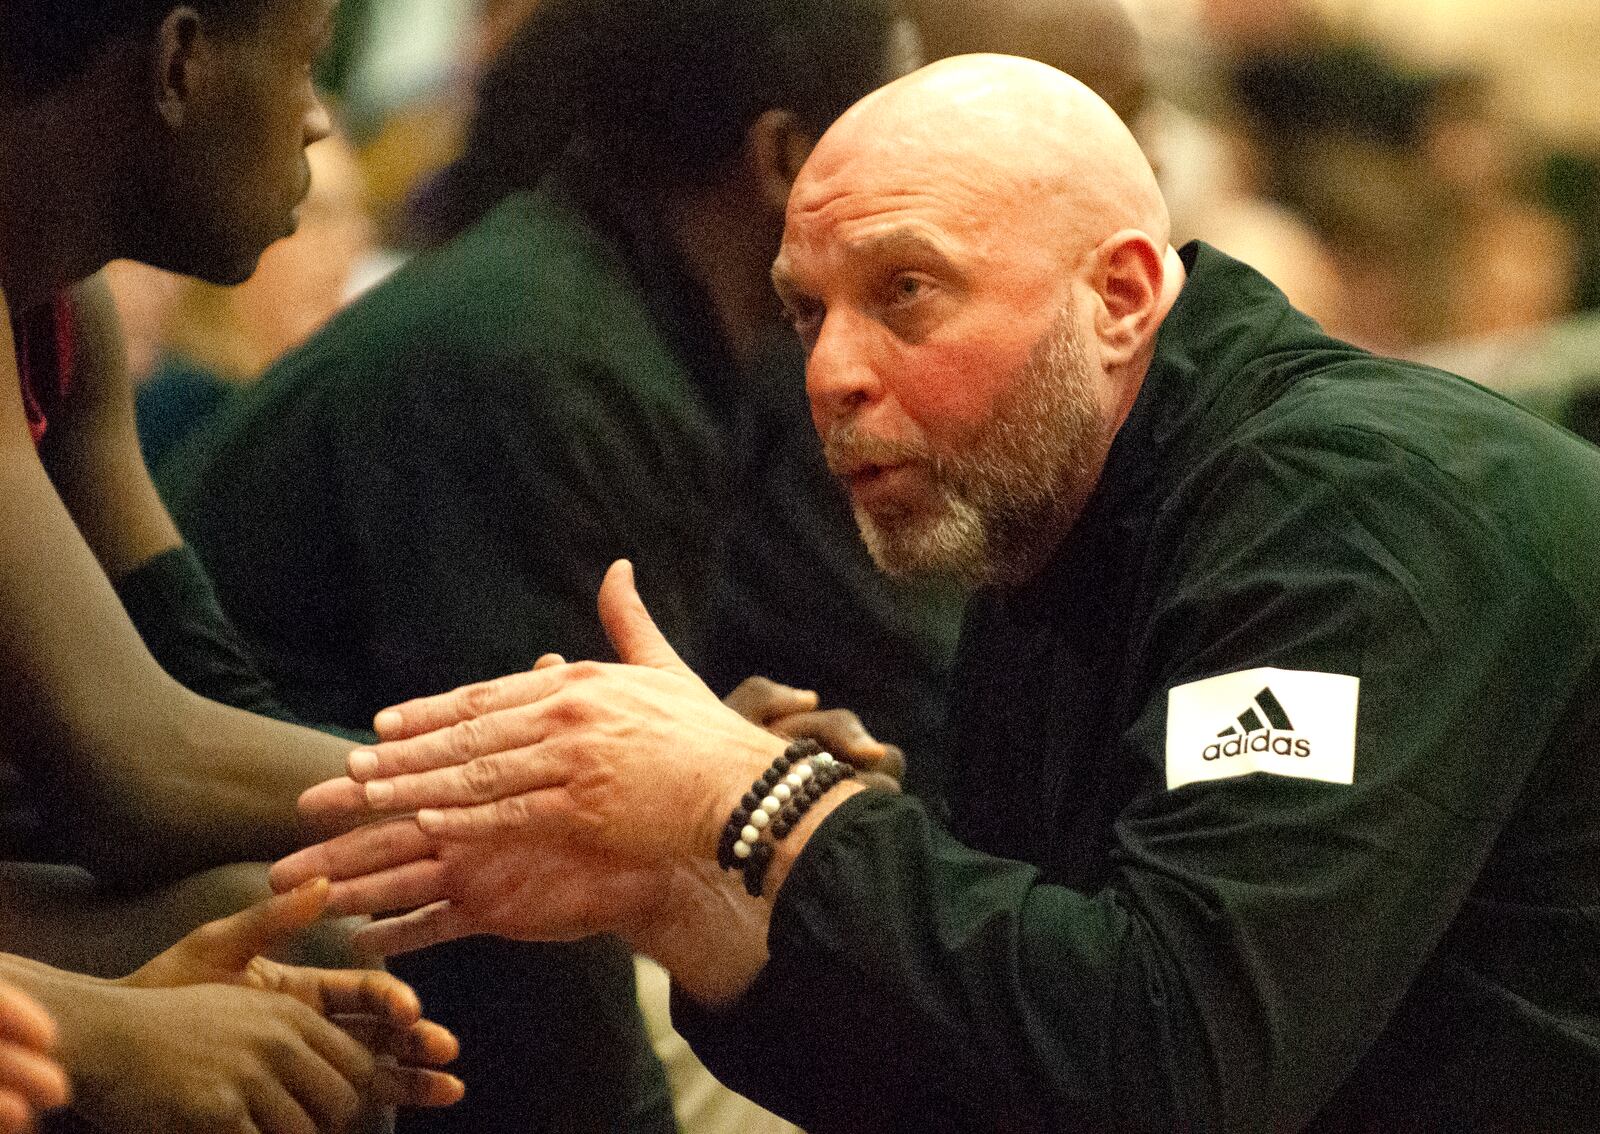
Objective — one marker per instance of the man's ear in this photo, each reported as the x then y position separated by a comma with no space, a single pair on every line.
775,147
178,65
1128,274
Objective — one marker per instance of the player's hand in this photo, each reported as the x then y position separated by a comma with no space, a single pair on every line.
211,1036
794,713
31,1082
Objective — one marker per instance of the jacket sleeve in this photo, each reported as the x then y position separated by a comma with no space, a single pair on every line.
1255,933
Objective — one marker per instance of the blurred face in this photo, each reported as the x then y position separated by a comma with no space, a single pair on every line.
242,169
302,281
946,366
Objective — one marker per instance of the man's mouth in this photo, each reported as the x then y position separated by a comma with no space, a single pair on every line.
873,484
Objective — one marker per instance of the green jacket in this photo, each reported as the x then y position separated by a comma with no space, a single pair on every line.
1279,798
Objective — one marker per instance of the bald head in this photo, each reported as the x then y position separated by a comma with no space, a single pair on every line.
1010,136
976,258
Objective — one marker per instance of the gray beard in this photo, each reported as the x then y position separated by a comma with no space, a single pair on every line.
1011,492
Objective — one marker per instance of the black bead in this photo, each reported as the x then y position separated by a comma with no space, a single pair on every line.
749,801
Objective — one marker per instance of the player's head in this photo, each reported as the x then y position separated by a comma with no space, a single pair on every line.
662,95
213,105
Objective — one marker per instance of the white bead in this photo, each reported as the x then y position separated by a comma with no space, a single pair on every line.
741,850
804,772
770,805
822,758
750,835
759,818
782,793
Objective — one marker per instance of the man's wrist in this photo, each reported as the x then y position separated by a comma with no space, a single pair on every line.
789,849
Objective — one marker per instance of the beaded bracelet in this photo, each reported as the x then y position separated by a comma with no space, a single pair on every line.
775,803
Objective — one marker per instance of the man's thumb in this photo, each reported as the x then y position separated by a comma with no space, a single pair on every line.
233,941
629,626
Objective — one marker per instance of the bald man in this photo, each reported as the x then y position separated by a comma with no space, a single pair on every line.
1278,706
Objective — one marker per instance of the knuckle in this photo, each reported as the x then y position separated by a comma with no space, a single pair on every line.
586,670
466,736
513,812
475,700
481,777
218,1106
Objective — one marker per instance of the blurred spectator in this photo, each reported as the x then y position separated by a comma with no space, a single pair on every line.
216,339
1095,41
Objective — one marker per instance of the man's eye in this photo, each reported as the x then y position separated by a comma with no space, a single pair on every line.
907,287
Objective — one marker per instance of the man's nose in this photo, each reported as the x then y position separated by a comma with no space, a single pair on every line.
841,380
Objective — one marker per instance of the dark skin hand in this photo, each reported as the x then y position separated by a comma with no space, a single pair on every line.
213,1038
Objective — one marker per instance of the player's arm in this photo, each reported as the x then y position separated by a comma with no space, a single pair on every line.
91,451
123,754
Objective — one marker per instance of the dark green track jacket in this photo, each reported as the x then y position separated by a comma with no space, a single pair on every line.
1346,877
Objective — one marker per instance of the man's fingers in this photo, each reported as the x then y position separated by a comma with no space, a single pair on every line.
431,925
517,813
629,626
325,1074
549,660
482,780
334,804
495,731
367,992
760,700
232,942
416,1086
33,1076
423,1044
840,732
362,851
16,1112
428,714
399,888
272,1103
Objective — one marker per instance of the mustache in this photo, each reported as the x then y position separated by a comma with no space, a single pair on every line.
846,448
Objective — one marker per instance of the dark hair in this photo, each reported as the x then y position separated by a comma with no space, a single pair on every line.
658,91
45,43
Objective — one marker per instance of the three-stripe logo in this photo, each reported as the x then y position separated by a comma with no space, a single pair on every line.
1250,722
1250,734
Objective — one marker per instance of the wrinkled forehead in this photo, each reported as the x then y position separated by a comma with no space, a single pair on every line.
955,197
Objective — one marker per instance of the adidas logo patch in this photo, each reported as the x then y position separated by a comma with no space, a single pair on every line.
1251,735
1285,722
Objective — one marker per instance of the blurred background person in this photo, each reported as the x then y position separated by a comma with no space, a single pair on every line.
587,363
1423,180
